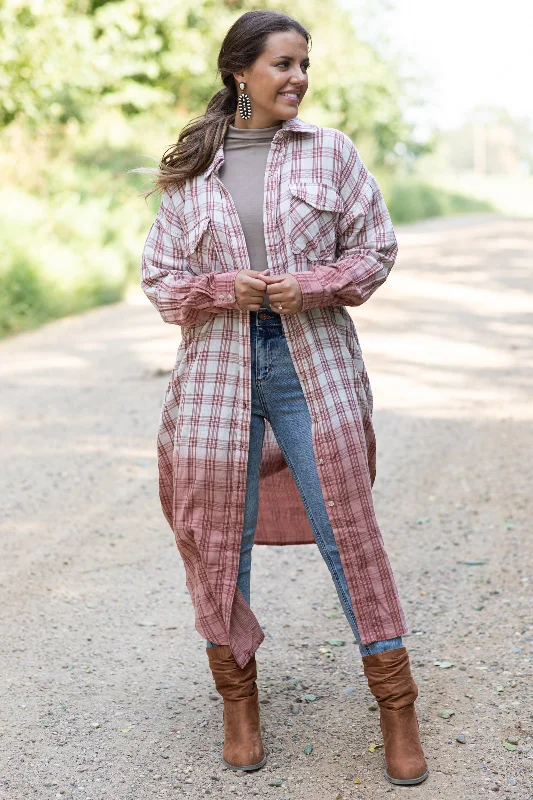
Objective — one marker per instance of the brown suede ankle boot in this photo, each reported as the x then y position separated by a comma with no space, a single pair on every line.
391,683
243,746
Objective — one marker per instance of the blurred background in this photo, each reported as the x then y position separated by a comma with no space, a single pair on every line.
436,96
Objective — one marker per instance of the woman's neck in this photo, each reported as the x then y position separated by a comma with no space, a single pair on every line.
252,125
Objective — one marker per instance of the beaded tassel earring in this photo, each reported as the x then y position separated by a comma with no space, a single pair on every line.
244,104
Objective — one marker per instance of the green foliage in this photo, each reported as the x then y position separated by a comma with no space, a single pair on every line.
46,72
64,252
410,200
26,299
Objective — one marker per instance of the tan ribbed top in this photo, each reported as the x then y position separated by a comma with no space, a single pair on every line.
243,175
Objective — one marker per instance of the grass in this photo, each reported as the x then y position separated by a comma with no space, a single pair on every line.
411,200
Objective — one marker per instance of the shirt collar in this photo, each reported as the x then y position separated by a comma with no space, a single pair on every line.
295,125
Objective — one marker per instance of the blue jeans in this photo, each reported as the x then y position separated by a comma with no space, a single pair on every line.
277,396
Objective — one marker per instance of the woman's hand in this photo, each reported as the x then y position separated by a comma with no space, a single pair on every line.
249,289
284,290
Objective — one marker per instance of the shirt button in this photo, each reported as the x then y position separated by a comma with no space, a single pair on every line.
230,297
221,297
320,460
331,503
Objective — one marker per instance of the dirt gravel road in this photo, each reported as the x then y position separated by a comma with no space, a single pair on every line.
106,692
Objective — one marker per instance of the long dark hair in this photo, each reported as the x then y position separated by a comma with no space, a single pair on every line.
200,138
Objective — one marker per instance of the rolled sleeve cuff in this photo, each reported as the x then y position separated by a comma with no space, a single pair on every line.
313,294
224,283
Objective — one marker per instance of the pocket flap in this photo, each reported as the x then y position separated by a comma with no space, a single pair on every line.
319,195
192,235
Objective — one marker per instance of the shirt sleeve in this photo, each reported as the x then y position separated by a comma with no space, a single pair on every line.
180,296
366,243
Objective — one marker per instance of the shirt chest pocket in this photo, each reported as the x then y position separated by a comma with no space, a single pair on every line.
313,215
200,247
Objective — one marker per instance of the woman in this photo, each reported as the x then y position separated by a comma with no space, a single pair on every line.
268,228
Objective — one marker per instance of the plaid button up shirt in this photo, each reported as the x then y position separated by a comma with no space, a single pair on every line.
325,222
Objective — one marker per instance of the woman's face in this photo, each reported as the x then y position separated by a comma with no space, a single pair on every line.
281,69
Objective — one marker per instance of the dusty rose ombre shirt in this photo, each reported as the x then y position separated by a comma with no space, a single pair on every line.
326,223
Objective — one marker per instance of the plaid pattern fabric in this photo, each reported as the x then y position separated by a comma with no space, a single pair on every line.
326,222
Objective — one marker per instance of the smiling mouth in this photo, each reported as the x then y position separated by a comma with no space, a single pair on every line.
290,95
